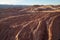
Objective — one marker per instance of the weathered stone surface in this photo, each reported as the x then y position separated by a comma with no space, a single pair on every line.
30,26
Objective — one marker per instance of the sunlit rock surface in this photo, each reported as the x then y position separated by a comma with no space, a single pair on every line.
27,25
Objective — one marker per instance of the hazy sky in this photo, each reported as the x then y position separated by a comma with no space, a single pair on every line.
30,2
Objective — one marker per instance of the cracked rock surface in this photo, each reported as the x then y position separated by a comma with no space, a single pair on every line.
30,26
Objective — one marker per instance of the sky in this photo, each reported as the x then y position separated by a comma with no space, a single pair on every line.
30,2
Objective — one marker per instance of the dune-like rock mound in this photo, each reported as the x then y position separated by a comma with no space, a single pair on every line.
25,25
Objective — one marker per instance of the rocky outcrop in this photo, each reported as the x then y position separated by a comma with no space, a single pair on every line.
31,26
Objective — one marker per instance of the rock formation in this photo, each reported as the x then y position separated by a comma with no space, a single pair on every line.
30,25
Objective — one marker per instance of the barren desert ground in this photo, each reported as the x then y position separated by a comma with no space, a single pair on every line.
31,23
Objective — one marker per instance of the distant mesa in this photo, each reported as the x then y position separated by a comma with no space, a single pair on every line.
36,5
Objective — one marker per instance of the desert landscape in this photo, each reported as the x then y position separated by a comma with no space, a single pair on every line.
37,22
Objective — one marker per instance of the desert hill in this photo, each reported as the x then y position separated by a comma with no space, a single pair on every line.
32,23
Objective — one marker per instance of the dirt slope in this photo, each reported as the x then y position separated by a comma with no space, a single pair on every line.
28,25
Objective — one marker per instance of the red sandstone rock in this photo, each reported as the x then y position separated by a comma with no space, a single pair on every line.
30,26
